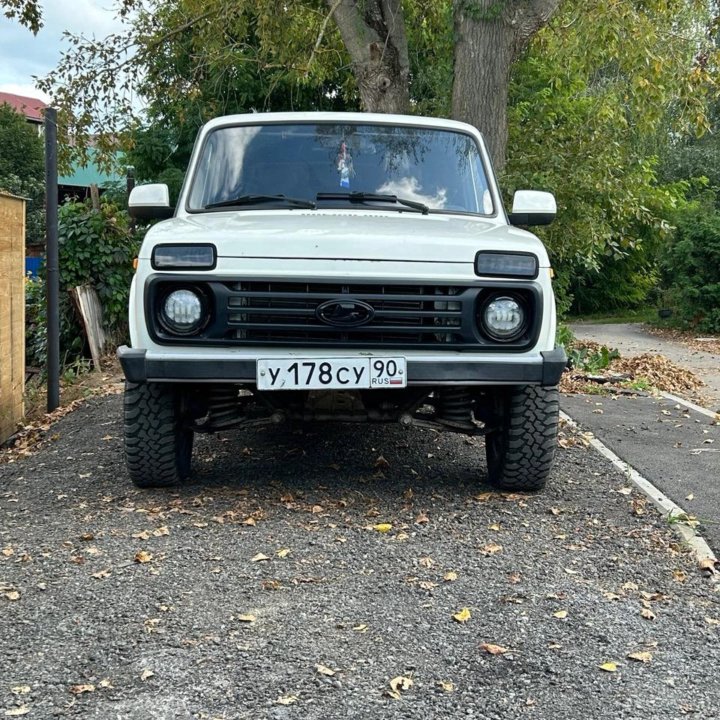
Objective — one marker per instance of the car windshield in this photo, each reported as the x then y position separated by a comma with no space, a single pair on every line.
336,164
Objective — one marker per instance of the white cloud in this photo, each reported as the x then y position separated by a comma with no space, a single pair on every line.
23,55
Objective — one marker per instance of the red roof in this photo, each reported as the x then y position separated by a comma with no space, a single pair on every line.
31,108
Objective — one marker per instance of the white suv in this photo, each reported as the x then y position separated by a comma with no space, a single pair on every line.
346,267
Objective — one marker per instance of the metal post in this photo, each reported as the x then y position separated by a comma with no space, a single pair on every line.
130,184
52,262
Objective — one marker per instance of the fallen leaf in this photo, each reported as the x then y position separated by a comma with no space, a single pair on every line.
712,621
381,462
161,531
422,519
382,527
246,618
427,585
251,521
609,667
690,497
484,497
16,712
625,491
283,553
12,595
144,535
146,674
142,556
8,551
24,689
495,527
709,565
446,685
287,699
100,574
361,628
647,614
80,689
560,614
490,549
462,616
450,576
323,670
105,683
643,656
493,649
259,558
426,562
397,684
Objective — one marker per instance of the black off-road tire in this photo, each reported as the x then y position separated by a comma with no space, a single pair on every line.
521,450
158,448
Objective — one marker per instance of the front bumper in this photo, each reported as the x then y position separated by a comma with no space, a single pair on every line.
544,368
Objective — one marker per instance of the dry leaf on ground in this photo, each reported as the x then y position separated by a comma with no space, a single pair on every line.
259,558
80,689
560,614
248,618
493,649
609,666
287,699
643,656
490,549
398,684
324,670
382,527
462,616
142,556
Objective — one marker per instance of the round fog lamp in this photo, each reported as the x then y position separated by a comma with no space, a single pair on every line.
182,311
503,318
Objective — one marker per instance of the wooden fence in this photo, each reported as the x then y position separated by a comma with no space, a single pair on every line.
12,313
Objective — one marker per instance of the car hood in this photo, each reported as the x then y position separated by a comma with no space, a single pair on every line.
345,235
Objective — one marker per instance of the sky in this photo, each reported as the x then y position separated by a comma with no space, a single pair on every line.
23,55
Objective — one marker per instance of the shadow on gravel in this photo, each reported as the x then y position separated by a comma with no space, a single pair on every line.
298,573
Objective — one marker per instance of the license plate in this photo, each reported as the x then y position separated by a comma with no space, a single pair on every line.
331,373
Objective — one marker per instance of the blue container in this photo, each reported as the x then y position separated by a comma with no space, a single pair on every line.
32,266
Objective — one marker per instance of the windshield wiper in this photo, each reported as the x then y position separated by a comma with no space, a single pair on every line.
361,197
261,200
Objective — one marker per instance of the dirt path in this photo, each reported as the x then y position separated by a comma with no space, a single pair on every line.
633,339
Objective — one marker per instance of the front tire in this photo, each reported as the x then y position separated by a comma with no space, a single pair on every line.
520,452
158,448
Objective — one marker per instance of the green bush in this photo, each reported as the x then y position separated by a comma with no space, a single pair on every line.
71,339
690,266
98,247
95,247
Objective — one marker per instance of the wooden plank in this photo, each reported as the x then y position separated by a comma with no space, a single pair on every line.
88,303
12,313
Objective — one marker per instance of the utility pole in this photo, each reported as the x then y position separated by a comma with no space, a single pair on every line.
52,288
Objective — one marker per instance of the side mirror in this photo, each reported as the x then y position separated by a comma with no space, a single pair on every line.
533,207
150,202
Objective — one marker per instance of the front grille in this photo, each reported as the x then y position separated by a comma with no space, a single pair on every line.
286,313
279,313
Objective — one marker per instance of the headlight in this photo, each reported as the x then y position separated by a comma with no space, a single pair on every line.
183,312
184,257
503,318
506,264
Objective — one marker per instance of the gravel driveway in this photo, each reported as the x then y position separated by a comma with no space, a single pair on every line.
267,589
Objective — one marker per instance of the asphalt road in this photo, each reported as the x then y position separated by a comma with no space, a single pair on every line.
261,589
676,448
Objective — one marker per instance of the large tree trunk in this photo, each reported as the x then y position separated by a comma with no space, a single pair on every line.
373,32
489,36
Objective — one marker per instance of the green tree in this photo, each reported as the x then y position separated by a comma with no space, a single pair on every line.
22,168
593,103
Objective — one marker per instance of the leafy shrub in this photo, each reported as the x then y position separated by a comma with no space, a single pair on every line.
71,339
591,360
691,267
97,247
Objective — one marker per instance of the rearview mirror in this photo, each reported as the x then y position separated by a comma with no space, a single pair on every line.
150,202
533,207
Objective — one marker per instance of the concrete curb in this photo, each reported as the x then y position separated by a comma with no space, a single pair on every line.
688,404
702,552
